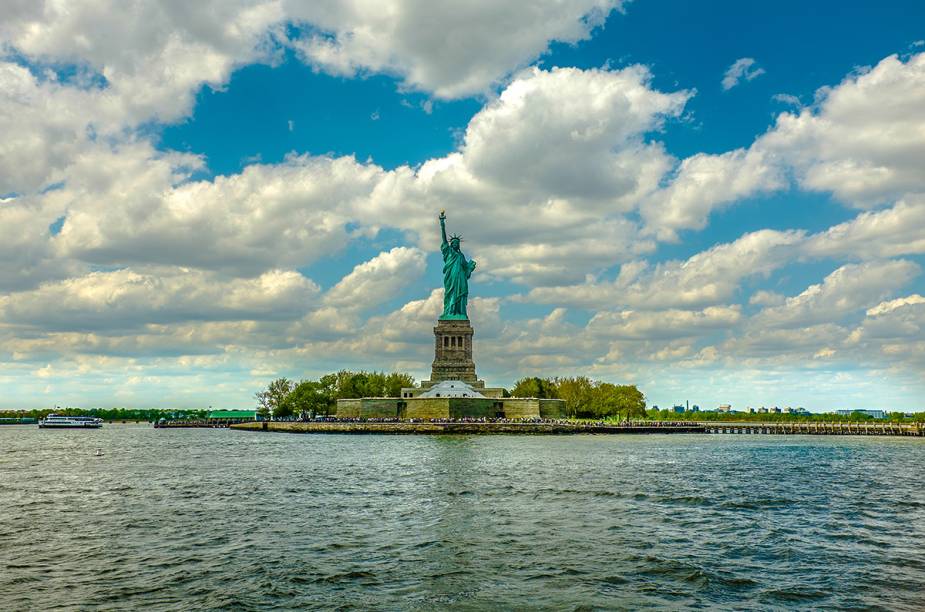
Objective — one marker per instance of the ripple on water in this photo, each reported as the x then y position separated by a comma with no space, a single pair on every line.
214,519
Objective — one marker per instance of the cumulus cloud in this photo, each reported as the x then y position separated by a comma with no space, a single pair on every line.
558,180
555,163
377,280
135,62
706,278
131,208
891,305
126,299
743,69
895,231
451,49
860,141
574,138
670,323
851,288
703,183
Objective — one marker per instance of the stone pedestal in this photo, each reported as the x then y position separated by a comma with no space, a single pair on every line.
453,354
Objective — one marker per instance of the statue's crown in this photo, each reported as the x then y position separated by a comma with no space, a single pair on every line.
455,237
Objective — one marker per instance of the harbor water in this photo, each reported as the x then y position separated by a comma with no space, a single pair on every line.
207,519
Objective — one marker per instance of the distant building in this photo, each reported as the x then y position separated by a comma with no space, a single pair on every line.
724,408
678,409
877,414
695,408
775,410
763,410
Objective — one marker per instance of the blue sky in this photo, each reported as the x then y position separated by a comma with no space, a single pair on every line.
721,203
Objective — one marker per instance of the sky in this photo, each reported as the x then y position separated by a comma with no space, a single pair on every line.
719,202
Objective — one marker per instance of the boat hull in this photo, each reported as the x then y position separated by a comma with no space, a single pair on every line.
75,426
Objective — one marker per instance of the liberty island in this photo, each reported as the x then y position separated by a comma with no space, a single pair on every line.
454,390
455,400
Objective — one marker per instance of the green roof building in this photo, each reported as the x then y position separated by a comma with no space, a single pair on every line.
239,415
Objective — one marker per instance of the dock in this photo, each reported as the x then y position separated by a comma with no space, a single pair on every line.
820,429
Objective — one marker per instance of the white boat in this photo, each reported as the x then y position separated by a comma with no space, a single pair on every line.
57,421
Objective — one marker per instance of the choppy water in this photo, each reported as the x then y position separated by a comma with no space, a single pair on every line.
218,519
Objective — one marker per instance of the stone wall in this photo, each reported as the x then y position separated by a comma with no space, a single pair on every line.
348,408
520,408
427,408
552,408
449,407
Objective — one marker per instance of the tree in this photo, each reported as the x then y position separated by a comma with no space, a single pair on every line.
396,381
577,393
309,397
543,388
273,400
350,385
623,401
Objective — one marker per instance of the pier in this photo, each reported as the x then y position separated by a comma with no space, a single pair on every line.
819,429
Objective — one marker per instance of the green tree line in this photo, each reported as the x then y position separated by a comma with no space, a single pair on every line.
285,398
585,398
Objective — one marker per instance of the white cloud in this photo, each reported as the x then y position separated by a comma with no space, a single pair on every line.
886,233
449,48
788,99
574,138
126,299
153,56
135,63
743,68
554,164
766,298
891,305
663,324
849,289
705,182
862,141
706,278
377,280
128,209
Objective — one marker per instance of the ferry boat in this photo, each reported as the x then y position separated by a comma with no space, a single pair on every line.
57,421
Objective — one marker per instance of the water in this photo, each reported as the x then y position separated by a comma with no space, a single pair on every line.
217,519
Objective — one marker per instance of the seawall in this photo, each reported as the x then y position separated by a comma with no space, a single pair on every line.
361,427
459,428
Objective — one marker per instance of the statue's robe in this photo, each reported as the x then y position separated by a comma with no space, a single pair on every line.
456,273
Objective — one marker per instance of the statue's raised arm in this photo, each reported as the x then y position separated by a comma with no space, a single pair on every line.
443,225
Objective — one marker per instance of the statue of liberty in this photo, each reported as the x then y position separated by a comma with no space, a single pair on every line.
456,273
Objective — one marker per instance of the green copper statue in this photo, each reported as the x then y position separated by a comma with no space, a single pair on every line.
456,273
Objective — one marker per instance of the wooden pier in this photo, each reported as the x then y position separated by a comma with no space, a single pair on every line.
819,429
